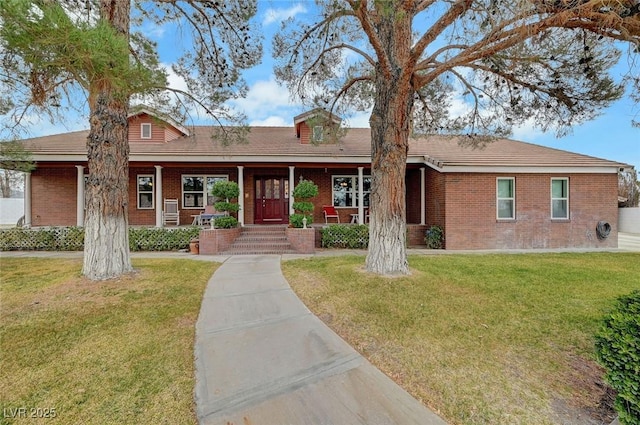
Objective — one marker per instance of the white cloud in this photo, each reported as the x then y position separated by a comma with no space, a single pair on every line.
527,131
272,121
279,15
40,125
154,31
359,120
263,99
175,81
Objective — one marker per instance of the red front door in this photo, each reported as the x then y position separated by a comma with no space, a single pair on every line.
272,200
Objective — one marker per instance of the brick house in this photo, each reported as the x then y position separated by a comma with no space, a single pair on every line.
509,194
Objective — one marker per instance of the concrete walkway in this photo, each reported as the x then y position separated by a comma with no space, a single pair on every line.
263,358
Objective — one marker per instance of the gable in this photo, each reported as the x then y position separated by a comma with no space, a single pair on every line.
310,127
147,126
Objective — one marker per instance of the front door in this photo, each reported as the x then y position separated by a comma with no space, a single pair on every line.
272,200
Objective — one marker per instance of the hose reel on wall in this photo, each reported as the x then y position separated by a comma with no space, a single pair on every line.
603,229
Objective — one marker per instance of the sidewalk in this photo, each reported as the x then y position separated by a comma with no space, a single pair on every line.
263,358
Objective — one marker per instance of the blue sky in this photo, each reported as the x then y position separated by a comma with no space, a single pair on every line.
610,136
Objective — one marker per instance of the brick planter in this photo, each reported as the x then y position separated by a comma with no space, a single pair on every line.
302,241
216,241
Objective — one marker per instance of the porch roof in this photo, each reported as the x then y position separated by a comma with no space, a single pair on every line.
280,145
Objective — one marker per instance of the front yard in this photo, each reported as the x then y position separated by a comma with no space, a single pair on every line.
481,339
117,352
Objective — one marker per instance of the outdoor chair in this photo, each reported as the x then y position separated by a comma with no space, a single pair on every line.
170,212
210,213
330,212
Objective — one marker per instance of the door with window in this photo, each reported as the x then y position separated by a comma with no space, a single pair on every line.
272,200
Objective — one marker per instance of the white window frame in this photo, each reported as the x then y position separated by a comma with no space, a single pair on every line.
205,194
317,133
152,191
354,190
512,198
143,126
565,198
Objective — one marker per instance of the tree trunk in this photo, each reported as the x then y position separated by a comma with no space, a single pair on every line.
106,244
390,128
5,184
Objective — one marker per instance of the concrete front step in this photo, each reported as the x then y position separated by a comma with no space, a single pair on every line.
265,237
260,252
261,240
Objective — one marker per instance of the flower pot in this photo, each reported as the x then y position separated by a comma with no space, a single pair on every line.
194,246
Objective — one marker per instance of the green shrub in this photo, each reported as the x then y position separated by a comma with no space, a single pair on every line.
42,239
618,350
303,207
227,206
161,239
227,222
303,191
227,190
296,220
72,239
434,237
345,236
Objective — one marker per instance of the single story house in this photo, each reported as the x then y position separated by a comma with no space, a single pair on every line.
507,195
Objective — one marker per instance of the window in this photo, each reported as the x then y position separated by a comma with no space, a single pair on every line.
196,190
145,131
318,133
145,192
560,198
506,198
345,191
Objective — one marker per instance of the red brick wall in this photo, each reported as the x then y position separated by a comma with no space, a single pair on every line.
53,196
172,185
468,199
324,181
215,241
413,195
140,217
415,234
435,198
471,212
301,240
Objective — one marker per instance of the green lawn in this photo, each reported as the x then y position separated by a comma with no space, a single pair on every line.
481,339
114,352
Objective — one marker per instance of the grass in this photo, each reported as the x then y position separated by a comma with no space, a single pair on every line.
481,339
112,352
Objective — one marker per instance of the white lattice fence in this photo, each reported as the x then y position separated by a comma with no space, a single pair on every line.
345,236
72,239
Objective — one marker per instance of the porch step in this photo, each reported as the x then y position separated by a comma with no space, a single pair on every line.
256,240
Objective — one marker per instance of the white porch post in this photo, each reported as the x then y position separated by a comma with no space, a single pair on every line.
241,195
158,189
360,195
27,200
80,196
291,187
423,209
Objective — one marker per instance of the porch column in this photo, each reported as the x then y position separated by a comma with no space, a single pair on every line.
291,187
27,200
241,195
360,195
423,209
158,189
80,196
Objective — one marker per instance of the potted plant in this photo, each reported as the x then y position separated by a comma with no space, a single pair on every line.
228,191
303,208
